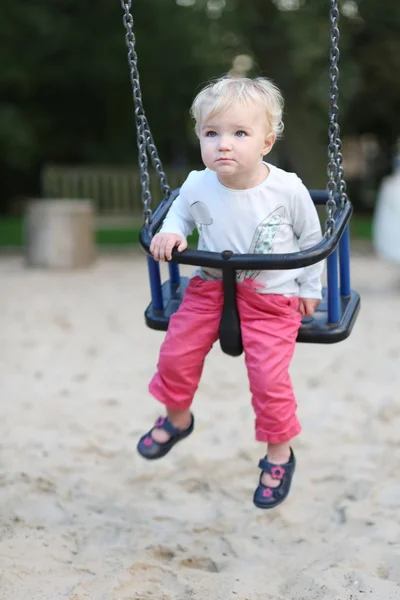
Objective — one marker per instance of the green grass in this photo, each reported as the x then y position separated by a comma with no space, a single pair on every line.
118,237
12,233
361,227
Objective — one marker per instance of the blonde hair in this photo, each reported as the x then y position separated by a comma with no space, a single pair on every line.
221,94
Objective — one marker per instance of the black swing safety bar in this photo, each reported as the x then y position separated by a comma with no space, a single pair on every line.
318,329
229,260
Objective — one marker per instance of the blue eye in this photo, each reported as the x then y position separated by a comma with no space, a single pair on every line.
211,134
240,133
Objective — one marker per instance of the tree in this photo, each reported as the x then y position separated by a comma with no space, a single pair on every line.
292,47
65,90
65,83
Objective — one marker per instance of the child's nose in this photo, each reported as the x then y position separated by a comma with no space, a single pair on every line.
225,142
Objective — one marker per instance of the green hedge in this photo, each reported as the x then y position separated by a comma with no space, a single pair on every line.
12,234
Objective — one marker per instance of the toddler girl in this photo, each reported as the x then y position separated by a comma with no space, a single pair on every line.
240,203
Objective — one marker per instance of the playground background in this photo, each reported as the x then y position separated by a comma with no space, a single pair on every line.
81,516
67,126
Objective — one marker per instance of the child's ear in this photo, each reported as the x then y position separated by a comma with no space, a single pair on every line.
269,141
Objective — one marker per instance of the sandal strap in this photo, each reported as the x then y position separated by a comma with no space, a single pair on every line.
165,423
278,471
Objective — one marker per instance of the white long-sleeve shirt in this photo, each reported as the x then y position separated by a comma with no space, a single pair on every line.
276,216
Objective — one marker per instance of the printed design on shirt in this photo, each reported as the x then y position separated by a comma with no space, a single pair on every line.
263,239
201,214
203,218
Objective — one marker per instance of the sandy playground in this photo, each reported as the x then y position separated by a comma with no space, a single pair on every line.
82,516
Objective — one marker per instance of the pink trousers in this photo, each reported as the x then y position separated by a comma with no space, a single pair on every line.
269,324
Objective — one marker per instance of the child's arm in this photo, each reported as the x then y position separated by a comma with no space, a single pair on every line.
307,228
177,225
179,219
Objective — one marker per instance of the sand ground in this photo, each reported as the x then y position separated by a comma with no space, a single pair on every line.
82,516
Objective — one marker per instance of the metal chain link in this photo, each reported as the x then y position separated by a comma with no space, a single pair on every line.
145,140
336,186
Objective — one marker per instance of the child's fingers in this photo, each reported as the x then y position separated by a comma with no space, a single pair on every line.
153,250
180,243
182,246
169,246
310,307
157,248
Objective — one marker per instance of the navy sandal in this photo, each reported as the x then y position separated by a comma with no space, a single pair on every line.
269,497
150,449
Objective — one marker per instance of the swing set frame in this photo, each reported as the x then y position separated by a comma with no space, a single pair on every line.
334,318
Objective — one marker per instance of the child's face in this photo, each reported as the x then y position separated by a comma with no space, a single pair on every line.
233,142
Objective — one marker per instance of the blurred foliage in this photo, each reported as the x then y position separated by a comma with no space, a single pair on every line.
65,90
12,234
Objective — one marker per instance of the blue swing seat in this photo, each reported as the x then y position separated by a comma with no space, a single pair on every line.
332,322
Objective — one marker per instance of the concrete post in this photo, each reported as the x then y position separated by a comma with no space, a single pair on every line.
59,234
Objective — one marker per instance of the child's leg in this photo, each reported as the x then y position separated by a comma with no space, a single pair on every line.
192,331
270,325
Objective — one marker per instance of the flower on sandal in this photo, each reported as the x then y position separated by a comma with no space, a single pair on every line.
277,472
267,492
160,422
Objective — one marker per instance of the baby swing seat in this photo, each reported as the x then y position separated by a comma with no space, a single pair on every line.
335,317
333,320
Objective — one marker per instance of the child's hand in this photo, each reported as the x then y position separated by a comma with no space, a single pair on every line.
162,245
307,306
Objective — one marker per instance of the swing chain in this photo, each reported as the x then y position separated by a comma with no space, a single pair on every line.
145,140
336,186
